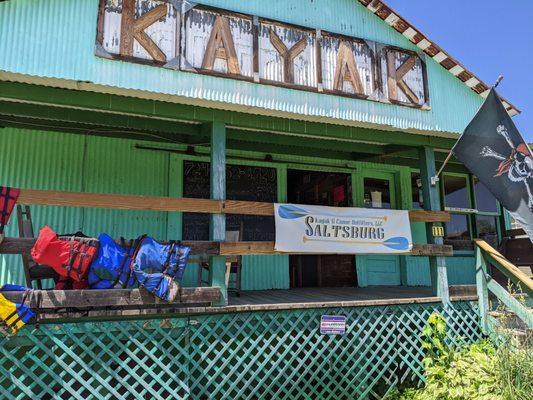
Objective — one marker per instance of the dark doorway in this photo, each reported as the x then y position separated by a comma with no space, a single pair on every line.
326,189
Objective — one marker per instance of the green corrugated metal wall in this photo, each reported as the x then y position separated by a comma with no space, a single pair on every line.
55,38
51,160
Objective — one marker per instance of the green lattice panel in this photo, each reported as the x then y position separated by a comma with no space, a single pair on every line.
275,355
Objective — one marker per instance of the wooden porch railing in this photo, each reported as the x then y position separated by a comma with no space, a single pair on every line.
153,203
486,254
11,245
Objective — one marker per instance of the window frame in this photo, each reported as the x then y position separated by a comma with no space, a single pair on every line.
472,212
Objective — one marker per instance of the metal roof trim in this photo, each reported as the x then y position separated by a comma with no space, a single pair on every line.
433,50
69,84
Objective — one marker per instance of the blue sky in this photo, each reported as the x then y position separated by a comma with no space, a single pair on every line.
489,37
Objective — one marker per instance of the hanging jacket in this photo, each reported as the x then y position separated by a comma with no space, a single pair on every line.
69,256
158,267
111,268
8,198
14,315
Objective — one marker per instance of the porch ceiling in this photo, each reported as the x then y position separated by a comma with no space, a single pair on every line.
41,108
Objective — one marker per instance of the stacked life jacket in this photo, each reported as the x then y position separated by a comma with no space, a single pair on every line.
14,315
69,256
8,198
111,268
157,267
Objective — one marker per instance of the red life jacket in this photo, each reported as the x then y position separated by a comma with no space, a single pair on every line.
65,283
8,198
70,257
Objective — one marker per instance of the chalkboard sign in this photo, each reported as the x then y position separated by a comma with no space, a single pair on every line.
242,183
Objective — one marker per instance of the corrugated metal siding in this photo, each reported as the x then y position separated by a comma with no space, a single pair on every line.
48,160
115,166
418,267
461,270
55,38
39,160
265,272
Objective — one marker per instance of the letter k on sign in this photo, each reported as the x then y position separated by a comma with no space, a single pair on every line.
132,28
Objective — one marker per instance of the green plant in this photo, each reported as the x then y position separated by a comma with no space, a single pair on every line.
479,371
434,342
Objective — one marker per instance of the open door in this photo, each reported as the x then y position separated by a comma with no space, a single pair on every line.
326,189
379,192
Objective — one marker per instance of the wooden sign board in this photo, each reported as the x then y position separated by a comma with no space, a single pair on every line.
185,36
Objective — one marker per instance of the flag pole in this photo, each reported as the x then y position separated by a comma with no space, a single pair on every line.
435,179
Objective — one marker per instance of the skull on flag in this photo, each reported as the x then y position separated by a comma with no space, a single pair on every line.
518,165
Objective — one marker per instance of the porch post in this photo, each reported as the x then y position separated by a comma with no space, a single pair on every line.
217,226
437,265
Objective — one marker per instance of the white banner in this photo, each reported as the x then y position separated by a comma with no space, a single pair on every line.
341,230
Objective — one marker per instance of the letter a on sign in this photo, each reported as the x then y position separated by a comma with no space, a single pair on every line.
347,69
220,45
132,28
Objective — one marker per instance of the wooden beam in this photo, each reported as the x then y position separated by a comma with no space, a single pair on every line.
437,263
154,203
24,245
117,201
241,248
428,216
505,266
217,223
97,298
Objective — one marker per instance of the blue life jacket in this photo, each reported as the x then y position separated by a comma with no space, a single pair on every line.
111,268
14,315
158,267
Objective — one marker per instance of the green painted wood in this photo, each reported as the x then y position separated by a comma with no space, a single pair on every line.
379,270
510,302
481,288
489,258
437,265
232,355
217,226
102,102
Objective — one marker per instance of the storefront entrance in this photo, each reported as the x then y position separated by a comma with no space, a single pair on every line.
379,191
326,189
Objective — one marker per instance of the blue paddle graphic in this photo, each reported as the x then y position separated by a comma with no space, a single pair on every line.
289,211
397,243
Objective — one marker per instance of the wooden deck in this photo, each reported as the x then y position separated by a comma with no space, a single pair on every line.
326,295
58,304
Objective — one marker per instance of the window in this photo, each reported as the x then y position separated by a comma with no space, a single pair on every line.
242,183
458,232
474,212
416,189
456,192
377,193
486,229
485,201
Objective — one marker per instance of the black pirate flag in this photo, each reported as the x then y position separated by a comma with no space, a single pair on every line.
492,149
